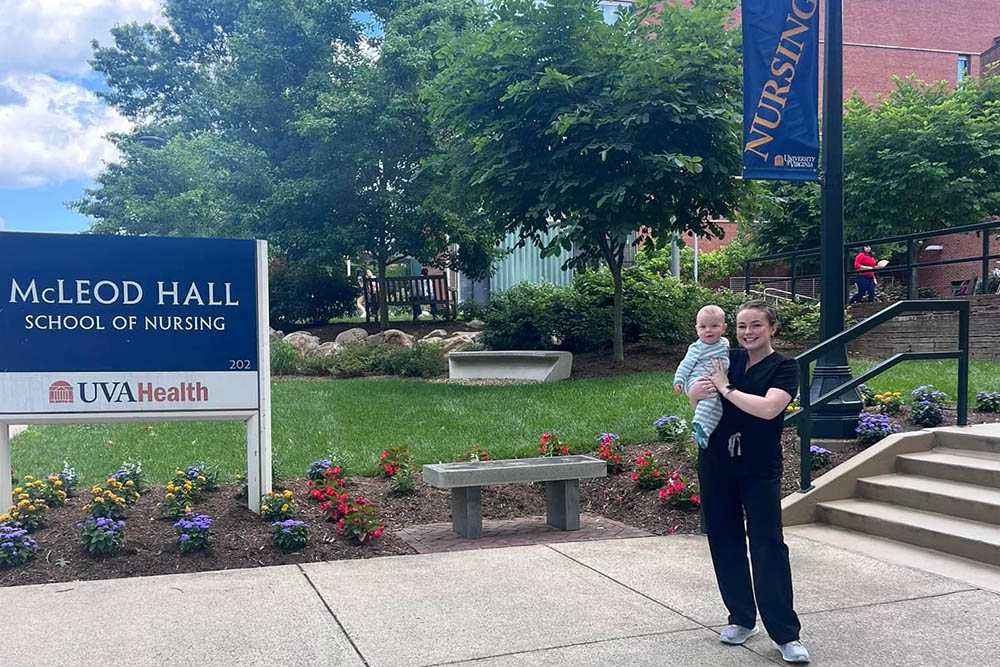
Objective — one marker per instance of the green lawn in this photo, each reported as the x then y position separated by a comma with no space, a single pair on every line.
353,420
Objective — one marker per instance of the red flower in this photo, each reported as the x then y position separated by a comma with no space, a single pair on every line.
342,509
328,490
695,499
545,438
378,533
656,473
340,524
641,461
541,449
676,475
336,470
679,486
310,483
635,477
384,456
565,449
673,529
663,494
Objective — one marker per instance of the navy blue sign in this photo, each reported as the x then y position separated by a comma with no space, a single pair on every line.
780,89
81,303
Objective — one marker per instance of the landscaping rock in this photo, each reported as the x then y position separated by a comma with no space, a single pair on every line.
304,342
474,335
432,340
328,349
354,336
476,325
276,335
393,337
454,342
437,333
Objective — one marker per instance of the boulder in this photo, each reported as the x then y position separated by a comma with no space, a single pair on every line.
454,342
474,335
437,333
277,335
327,349
432,340
476,325
304,342
354,336
394,337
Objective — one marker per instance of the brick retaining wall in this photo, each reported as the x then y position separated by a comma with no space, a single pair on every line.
931,332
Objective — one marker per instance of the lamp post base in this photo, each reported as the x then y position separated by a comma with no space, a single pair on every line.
838,419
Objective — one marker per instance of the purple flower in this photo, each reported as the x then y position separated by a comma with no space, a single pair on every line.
185,537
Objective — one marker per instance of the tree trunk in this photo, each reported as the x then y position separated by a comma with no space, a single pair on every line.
619,347
383,306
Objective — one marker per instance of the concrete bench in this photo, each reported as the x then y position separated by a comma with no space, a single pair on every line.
540,365
561,474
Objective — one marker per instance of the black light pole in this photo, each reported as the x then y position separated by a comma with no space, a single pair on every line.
839,418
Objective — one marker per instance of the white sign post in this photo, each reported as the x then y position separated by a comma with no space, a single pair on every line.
177,331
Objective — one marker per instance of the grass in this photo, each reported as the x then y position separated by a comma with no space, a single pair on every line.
353,420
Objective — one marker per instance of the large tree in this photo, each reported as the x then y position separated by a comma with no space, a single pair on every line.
573,133
922,158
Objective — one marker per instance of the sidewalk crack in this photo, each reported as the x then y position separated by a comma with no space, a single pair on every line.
336,620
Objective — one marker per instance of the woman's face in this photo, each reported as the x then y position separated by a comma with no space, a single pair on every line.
753,329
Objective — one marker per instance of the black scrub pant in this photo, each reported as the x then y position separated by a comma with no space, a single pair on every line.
726,499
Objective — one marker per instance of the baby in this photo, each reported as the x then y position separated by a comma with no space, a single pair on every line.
711,344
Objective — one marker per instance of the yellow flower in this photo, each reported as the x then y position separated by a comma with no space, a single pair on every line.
98,499
170,486
284,508
22,503
130,483
96,490
288,494
62,494
57,481
264,508
31,508
201,478
896,394
187,508
4,517
179,473
28,478
23,496
169,496
18,490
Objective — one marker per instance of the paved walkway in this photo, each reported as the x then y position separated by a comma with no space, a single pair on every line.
636,602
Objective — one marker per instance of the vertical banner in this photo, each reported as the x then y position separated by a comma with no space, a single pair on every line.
780,89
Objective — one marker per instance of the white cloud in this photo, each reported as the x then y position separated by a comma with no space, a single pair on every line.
53,36
57,134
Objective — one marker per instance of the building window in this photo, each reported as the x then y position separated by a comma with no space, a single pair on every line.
610,9
964,64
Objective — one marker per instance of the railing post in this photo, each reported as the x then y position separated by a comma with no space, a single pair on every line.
910,274
805,430
746,277
794,267
963,364
986,261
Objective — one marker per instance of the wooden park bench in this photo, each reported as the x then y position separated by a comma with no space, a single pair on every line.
561,474
540,365
411,291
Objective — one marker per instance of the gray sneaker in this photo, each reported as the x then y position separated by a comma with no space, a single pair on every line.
793,651
736,634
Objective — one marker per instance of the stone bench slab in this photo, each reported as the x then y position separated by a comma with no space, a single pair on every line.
513,471
538,365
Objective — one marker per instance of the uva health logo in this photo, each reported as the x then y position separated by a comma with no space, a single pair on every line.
125,392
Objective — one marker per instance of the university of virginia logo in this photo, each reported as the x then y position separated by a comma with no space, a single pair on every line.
60,391
124,392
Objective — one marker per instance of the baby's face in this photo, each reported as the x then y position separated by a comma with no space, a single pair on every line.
710,327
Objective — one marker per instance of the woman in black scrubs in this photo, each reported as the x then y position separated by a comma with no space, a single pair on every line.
740,478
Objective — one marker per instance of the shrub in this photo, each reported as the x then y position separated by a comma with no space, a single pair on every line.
335,506
867,395
649,473
193,532
680,494
361,521
178,499
988,401
927,393
41,491
102,535
289,535
358,360
873,427
284,358
25,513
421,360
889,403
550,445
306,292
316,365
16,546
610,450
53,493
130,471
798,321
820,457
403,483
203,476
277,506
393,459
316,471
523,317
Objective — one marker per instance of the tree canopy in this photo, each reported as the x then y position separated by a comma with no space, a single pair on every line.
573,133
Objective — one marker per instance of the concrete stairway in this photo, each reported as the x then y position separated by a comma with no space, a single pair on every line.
947,498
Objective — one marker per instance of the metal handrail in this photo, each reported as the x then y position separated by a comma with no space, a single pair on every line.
984,257
808,405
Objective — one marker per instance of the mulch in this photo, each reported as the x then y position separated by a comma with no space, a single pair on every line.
242,540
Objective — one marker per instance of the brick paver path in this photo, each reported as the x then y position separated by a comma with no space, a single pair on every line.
438,537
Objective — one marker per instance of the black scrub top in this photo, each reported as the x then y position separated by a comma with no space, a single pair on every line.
742,443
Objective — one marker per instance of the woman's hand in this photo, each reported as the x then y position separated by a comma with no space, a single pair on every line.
702,389
718,374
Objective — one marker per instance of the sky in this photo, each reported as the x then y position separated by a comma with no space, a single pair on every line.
52,126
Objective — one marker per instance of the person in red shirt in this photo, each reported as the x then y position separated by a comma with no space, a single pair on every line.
865,280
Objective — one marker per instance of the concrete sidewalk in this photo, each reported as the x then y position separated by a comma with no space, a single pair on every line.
637,602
